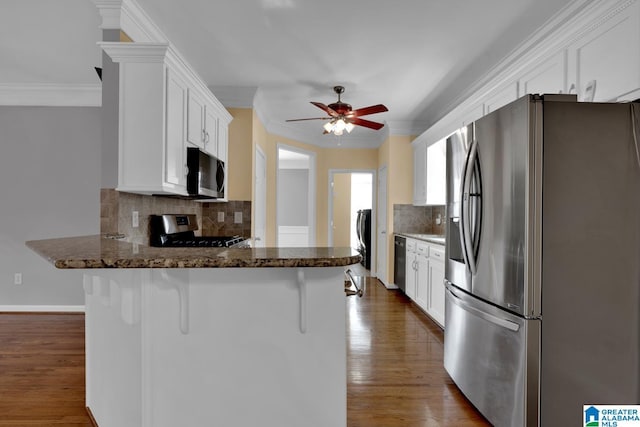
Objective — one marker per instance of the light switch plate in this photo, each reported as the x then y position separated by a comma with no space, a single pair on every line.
237,217
220,216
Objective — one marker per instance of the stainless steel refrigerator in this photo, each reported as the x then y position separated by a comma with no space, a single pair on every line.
543,260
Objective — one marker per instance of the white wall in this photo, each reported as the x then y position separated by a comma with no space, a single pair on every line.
49,187
293,197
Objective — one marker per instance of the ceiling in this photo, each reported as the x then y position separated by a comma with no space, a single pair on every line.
414,56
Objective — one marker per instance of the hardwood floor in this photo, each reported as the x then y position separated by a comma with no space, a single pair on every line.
42,370
395,373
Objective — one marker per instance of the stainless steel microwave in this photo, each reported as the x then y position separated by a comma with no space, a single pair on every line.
205,175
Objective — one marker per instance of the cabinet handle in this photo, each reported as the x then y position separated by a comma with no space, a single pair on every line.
206,141
186,170
203,137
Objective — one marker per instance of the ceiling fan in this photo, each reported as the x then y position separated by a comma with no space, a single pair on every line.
342,117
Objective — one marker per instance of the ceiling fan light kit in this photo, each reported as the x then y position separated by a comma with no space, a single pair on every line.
342,117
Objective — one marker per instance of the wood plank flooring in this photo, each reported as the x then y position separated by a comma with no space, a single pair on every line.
42,370
395,373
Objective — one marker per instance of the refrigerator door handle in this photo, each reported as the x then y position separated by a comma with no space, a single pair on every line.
467,197
512,326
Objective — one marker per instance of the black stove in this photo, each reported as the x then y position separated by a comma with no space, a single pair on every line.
178,231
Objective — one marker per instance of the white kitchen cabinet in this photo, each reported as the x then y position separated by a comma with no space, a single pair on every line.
546,77
501,97
425,277
155,123
435,306
604,63
411,269
205,126
151,119
436,175
420,174
175,167
422,275
429,173
195,119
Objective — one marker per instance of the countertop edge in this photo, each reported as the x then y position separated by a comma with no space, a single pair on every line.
419,236
95,252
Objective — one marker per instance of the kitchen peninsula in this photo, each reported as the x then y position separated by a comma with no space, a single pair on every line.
214,336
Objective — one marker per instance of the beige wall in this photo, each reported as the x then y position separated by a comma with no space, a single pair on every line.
342,209
326,159
397,154
240,154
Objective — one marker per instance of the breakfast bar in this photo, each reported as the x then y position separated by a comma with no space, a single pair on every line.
210,336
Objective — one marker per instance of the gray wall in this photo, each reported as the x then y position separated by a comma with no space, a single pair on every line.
293,194
49,187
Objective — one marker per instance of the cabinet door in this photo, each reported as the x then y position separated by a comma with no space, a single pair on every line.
176,102
223,141
436,186
211,132
420,174
195,119
436,291
422,282
410,269
501,97
546,77
604,64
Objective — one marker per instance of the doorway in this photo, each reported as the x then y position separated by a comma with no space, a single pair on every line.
296,197
351,211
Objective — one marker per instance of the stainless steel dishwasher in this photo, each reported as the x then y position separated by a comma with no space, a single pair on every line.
399,261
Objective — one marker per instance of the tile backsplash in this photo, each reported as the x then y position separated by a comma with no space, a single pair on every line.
418,219
116,214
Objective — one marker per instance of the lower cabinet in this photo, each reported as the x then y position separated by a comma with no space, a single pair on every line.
425,277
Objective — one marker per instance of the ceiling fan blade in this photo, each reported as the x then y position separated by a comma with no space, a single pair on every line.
366,123
373,109
330,111
313,118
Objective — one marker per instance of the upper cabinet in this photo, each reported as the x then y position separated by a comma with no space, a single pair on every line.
436,173
595,54
163,109
205,127
545,77
420,174
429,173
604,63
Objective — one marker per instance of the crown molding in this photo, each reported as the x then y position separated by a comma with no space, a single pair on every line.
577,18
135,52
128,16
51,95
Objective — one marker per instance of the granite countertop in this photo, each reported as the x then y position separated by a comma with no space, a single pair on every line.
99,252
431,238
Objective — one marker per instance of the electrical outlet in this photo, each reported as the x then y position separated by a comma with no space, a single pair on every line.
220,216
17,279
135,219
237,217
438,219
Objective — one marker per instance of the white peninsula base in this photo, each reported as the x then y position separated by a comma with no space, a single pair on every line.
216,347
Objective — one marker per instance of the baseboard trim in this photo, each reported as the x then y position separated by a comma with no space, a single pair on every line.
91,417
42,308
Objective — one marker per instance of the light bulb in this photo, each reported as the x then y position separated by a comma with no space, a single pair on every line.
328,126
337,131
349,127
340,126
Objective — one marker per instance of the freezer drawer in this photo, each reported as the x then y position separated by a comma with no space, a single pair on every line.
493,357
